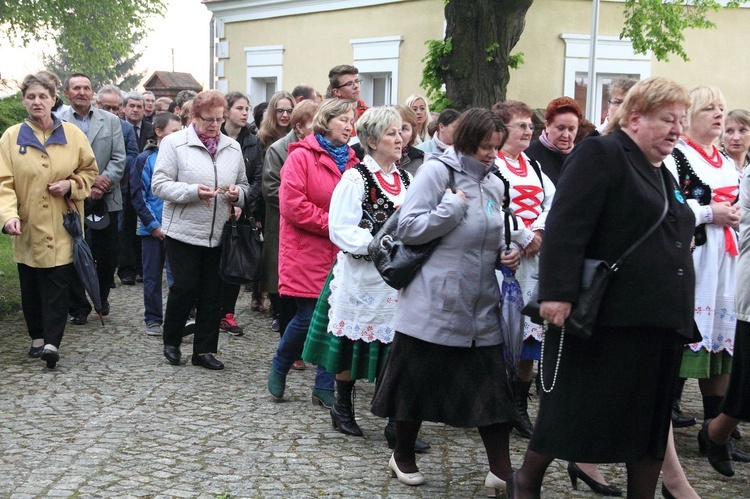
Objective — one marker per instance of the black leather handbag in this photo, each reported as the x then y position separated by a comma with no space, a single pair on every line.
594,278
241,250
397,262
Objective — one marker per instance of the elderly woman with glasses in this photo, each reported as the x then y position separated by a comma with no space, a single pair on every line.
277,120
199,172
312,170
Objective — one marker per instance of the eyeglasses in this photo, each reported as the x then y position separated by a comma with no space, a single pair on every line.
523,127
615,102
282,110
111,109
350,83
212,120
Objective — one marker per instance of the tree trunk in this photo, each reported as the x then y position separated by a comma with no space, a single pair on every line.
480,30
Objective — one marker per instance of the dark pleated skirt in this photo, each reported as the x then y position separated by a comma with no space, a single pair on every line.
337,354
461,387
737,400
612,399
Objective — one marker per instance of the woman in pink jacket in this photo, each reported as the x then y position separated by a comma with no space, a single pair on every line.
312,170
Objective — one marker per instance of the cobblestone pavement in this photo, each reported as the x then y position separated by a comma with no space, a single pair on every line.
115,420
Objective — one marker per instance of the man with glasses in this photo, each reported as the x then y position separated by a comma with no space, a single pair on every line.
149,101
618,89
344,83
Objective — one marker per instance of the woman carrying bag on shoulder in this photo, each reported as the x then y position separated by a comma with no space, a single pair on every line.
446,361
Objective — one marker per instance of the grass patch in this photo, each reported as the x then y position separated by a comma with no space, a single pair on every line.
10,291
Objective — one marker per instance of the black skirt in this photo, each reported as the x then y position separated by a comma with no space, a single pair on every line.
612,399
461,387
737,400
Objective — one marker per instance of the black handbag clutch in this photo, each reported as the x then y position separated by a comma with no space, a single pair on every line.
241,250
594,278
397,262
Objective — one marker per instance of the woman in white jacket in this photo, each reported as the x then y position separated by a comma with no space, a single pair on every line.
198,173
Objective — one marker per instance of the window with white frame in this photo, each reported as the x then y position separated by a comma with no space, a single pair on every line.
377,61
614,58
265,70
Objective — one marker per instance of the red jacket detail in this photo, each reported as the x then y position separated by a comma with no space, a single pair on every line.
306,253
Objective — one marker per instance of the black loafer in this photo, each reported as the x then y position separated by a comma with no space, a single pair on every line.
738,455
207,360
173,355
50,357
36,352
128,281
79,320
105,309
680,421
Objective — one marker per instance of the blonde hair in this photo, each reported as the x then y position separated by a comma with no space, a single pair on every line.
646,96
702,97
329,109
423,136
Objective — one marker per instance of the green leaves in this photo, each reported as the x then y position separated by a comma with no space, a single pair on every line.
432,73
658,25
94,29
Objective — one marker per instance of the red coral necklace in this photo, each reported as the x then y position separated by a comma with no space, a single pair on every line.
713,160
521,170
393,189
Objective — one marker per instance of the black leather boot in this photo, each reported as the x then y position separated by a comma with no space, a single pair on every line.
522,424
342,412
678,419
420,446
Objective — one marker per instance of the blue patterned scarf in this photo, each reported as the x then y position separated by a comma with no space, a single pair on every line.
340,154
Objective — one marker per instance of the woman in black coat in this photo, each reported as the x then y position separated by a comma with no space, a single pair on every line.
612,190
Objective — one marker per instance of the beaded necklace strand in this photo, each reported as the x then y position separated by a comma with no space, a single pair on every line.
713,160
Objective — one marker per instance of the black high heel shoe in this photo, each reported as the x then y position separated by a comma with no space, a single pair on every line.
666,493
574,472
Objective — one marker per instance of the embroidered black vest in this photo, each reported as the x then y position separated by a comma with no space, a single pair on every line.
692,187
377,207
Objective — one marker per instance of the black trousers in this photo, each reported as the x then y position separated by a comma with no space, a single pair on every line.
44,300
104,249
195,271
229,294
130,245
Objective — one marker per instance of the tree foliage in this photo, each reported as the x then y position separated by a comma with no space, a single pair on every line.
472,62
120,72
659,25
94,30
12,111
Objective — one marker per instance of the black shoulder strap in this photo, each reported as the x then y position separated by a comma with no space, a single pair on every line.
538,169
650,230
451,176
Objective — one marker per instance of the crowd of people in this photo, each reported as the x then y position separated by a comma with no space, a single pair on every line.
659,191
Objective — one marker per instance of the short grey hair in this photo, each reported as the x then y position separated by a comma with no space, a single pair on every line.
329,109
136,96
109,89
372,125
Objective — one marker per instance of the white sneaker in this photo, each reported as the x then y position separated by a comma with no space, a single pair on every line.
153,329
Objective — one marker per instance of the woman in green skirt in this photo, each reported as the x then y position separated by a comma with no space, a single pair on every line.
351,332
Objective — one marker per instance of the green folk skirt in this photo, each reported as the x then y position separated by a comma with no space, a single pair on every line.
339,354
704,364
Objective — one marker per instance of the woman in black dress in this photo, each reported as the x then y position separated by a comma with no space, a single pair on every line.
612,190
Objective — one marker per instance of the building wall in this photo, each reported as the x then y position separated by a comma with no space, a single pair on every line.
313,43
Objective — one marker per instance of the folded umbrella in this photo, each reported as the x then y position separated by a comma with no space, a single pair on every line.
83,261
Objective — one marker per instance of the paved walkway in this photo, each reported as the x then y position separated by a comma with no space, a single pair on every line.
115,420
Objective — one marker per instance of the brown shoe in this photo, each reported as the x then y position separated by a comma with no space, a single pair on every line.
299,365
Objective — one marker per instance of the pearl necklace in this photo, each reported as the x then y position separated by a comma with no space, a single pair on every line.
521,170
393,189
715,158
557,362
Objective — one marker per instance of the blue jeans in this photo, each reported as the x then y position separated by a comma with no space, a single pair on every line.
154,254
293,341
